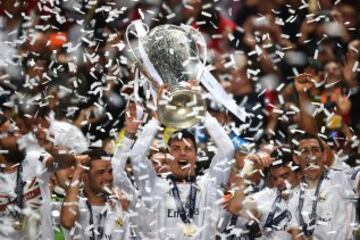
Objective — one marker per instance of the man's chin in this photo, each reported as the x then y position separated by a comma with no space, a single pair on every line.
183,173
312,173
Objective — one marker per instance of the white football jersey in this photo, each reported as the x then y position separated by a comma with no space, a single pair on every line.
335,210
164,220
36,197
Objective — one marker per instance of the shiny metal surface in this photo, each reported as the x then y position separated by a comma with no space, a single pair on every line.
175,54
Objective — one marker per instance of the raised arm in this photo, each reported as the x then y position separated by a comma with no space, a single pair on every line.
123,149
144,173
121,154
303,84
70,208
221,163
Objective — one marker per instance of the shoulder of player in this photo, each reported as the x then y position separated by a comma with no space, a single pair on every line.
62,126
334,174
266,193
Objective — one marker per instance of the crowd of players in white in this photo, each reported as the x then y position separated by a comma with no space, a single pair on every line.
302,197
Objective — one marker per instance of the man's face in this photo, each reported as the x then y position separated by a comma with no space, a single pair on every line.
311,158
283,177
333,72
8,136
183,150
100,176
8,141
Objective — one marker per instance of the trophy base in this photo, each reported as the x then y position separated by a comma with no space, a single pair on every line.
184,109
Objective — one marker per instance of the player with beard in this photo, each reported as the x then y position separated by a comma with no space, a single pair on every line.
183,206
25,211
321,208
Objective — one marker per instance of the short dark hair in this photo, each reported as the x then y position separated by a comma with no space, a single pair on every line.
306,135
183,134
283,157
97,153
35,109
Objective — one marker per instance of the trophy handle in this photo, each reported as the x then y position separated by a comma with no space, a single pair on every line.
134,33
146,73
201,46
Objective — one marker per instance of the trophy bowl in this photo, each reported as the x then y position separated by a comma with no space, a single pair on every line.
173,55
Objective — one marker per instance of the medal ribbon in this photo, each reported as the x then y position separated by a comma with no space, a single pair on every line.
19,188
313,214
91,222
270,218
190,203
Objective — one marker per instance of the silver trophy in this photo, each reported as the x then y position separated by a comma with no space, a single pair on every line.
173,56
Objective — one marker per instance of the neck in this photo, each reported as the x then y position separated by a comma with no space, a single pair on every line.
312,182
182,179
94,199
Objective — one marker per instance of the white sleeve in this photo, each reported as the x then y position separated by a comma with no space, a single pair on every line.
122,153
144,173
79,142
118,161
340,164
221,163
347,182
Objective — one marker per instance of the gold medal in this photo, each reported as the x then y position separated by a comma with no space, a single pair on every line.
189,230
322,197
119,222
18,224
